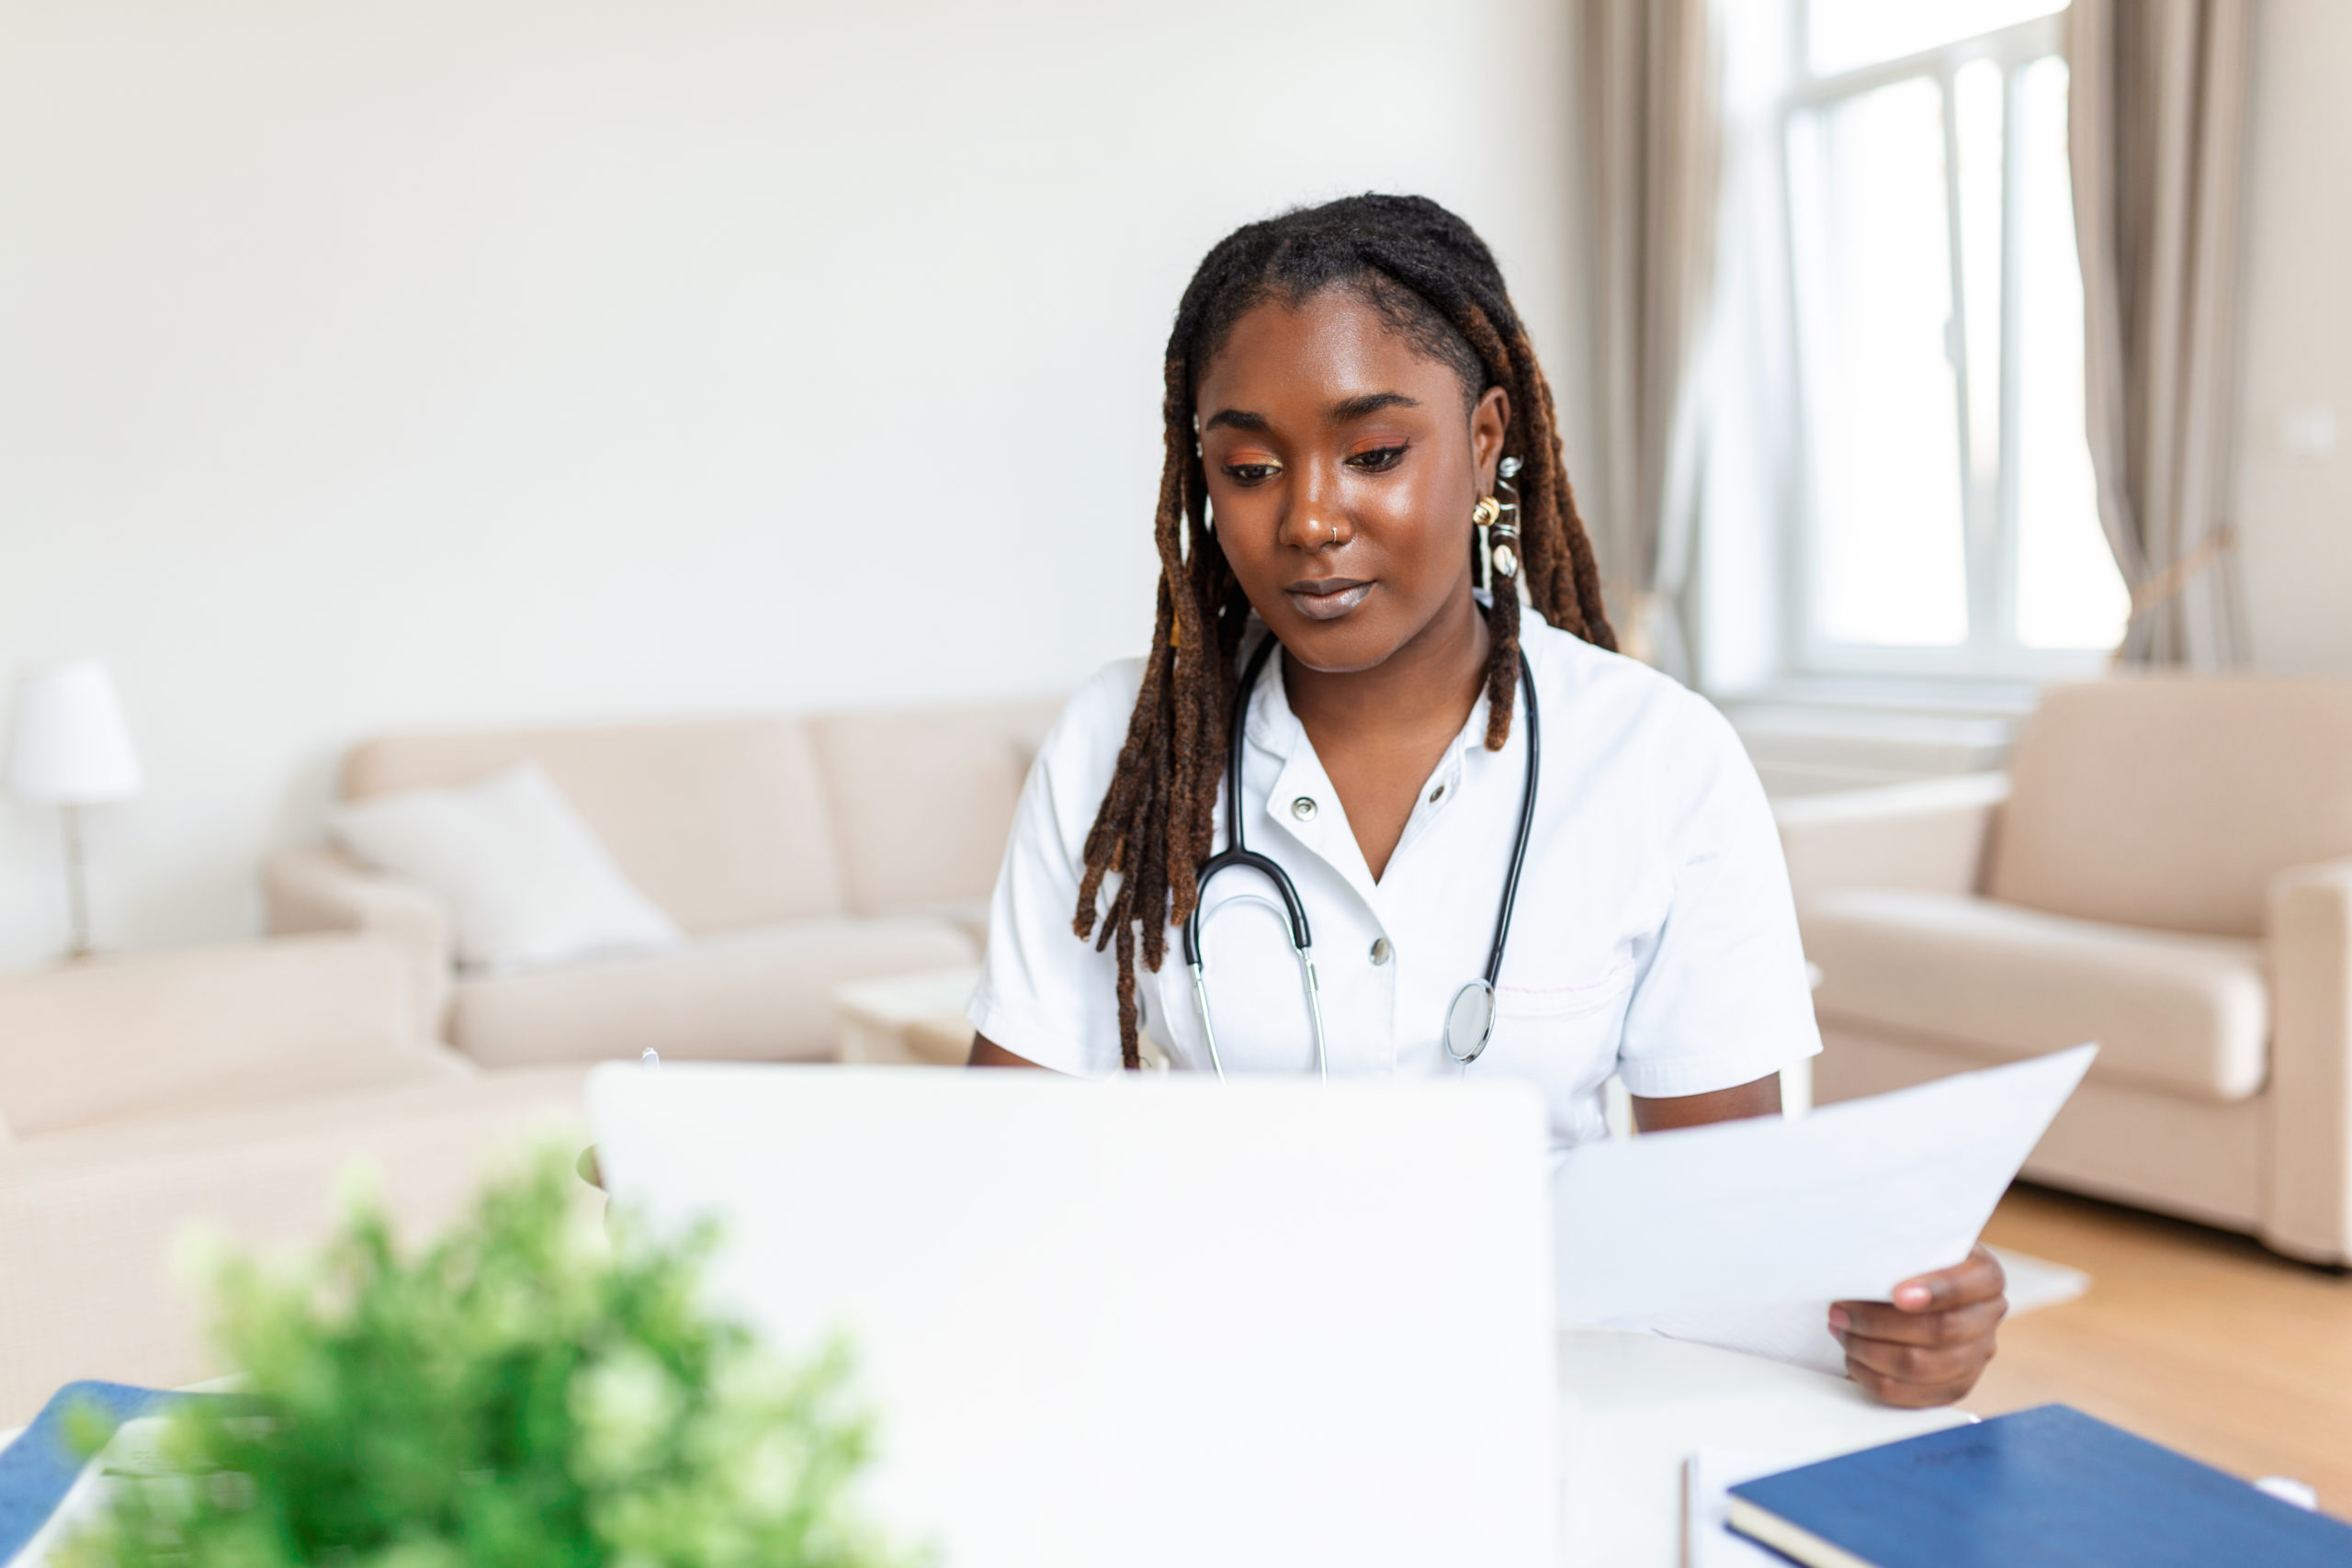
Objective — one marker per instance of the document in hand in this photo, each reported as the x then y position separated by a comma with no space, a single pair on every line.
1844,1203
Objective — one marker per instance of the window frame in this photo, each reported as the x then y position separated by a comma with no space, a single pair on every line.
1989,511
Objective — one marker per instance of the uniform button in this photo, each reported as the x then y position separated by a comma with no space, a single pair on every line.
1303,809
1380,950
1437,795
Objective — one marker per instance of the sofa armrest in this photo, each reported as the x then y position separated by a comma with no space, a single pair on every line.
320,890
2310,1200
91,1223
1927,837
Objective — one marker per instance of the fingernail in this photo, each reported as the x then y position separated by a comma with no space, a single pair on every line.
1913,1296
1838,1320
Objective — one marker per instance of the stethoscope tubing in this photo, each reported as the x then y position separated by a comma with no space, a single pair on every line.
1238,853
1526,822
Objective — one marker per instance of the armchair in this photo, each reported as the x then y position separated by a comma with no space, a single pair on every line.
2168,870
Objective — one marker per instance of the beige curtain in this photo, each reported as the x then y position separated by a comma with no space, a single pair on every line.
1652,135
2156,117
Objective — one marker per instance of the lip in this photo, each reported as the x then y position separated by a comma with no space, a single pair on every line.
1328,598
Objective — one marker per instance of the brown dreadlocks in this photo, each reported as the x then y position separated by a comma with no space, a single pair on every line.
1434,279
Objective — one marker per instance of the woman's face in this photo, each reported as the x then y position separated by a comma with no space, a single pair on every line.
1343,467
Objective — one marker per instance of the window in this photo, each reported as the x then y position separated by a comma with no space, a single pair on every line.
1948,519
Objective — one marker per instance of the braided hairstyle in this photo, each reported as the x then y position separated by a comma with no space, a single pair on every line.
1433,279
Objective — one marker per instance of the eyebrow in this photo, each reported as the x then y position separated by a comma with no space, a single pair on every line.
1345,411
1349,410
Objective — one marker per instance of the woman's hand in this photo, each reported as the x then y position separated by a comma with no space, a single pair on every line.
1931,1343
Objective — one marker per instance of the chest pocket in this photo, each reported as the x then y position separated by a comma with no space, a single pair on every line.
1562,1038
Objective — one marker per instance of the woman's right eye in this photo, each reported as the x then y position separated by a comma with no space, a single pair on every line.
1250,473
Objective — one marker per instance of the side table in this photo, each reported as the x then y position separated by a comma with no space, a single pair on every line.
907,1018
918,1020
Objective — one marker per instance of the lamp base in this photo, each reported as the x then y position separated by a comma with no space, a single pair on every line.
77,894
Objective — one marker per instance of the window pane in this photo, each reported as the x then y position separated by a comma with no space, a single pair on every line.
1874,316
1977,116
1843,34
2069,593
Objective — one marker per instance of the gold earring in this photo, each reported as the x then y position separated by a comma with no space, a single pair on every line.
1482,516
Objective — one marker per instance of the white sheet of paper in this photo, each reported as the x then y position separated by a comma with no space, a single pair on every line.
1844,1203
1708,1476
1794,1333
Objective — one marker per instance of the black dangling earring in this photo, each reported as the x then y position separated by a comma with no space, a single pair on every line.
1506,535
1497,526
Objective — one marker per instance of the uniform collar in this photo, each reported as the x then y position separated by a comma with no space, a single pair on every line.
1269,724
1272,727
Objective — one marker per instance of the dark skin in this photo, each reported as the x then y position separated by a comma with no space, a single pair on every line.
1341,474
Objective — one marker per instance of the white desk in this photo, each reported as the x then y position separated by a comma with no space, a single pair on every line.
1642,1404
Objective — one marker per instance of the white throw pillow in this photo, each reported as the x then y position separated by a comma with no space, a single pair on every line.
524,880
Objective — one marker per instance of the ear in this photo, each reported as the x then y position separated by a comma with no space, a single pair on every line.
1489,424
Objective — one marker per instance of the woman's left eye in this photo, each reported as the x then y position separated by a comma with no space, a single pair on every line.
1378,460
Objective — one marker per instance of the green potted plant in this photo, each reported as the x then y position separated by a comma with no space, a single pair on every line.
520,1391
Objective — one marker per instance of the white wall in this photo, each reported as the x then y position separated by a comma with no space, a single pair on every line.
2294,507
419,363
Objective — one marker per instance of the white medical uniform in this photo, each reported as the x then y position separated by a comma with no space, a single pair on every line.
1654,936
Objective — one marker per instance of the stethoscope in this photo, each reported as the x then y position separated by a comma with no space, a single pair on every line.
1470,1016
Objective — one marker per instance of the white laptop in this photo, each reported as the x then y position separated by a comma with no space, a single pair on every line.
1144,1323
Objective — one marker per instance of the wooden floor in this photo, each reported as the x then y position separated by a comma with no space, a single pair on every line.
2196,1338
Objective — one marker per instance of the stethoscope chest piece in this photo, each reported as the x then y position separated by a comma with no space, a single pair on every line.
1470,1022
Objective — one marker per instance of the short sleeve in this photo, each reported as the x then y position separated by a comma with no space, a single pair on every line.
1722,998
1046,994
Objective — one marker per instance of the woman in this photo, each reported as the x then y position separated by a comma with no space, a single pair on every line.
1363,467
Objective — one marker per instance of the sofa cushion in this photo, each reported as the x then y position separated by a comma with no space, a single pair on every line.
922,801
2187,1014
158,1034
524,879
2172,801
763,995
721,823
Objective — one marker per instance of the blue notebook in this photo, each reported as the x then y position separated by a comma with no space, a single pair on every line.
39,1468
2044,1488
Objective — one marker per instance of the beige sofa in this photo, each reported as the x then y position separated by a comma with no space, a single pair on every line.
796,854
222,1087
2168,870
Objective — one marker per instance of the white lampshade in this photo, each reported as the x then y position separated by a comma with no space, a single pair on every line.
69,744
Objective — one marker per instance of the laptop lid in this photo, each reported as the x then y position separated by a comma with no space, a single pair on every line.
1146,1323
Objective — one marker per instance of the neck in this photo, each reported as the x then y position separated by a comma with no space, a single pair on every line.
1433,681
